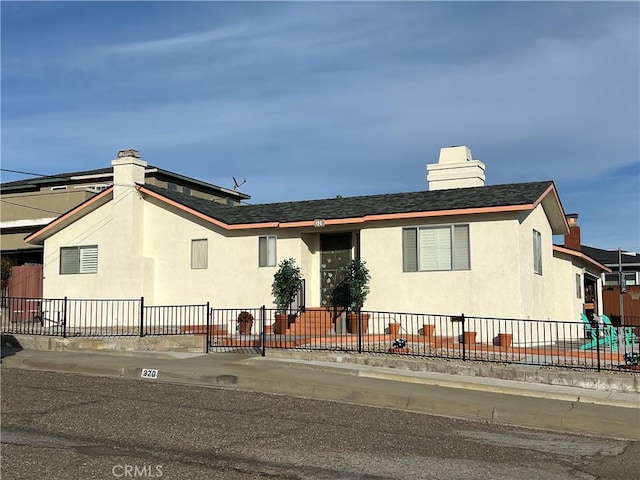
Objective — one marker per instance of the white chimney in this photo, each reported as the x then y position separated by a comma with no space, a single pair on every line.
455,169
128,168
124,252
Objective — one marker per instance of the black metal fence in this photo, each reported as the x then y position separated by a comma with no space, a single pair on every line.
66,317
601,346
501,340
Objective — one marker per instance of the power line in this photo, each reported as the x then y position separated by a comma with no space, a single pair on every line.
31,173
27,206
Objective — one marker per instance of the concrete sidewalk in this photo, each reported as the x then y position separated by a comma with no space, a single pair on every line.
568,408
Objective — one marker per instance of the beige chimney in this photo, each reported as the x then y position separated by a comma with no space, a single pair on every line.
128,168
125,248
455,169
572,240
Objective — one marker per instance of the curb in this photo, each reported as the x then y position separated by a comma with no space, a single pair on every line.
492,403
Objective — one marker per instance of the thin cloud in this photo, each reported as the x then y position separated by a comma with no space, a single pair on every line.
177,43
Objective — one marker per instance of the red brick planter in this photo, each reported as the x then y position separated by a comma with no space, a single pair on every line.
218,330
399,350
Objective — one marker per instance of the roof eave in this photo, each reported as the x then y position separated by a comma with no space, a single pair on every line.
38,237
553,208
584,257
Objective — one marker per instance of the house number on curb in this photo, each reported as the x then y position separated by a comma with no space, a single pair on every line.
149,373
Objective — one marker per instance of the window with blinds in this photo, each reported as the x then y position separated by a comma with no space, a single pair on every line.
445,247
81,259
267,251
537,252
199,253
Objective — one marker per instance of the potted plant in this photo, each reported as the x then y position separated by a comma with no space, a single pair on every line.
245,322
356,276
286,283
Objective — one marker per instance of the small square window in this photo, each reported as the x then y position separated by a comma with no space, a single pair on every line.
82,259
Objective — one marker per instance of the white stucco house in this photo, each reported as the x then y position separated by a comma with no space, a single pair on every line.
460,246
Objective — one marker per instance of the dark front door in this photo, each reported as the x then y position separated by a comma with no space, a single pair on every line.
335,252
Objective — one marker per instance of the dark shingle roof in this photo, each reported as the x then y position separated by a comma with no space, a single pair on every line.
354,207
608,257
37,182
57,178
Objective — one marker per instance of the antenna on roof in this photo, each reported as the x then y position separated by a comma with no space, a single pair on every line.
237,185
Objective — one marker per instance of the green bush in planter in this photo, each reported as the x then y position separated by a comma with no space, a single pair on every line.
286,283
357,277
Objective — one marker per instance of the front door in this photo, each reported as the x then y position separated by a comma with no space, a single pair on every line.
335,253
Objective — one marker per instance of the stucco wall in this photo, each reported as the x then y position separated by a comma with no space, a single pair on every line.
232,278
567,304
537,290
147,252
489,288
93,229
113,227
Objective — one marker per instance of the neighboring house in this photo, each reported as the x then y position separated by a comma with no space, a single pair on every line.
629,264
28,205
460,247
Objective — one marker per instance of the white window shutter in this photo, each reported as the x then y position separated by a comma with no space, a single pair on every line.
443,236
428,249
89,259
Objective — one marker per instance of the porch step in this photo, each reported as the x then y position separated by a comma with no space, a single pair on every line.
313,321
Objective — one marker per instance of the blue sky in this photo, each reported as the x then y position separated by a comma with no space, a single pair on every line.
313,100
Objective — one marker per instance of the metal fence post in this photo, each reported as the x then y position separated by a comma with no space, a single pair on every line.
208,334
141,317
359,331
263,336
464,348
598,343
64,318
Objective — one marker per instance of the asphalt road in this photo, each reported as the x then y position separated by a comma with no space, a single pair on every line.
64,426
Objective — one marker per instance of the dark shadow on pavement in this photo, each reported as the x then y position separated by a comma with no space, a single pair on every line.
10,345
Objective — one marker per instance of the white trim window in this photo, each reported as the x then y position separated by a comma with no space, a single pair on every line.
442,247
199,253
81,259
267,251
537,252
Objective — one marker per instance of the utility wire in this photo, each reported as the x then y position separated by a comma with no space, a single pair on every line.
32,174
27,206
